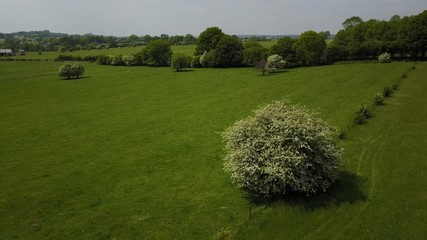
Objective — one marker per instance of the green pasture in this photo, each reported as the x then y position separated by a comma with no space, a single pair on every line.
188,50
135,153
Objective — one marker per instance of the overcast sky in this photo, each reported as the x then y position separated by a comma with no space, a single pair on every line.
154,17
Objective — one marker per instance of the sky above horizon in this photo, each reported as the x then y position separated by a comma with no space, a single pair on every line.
155,17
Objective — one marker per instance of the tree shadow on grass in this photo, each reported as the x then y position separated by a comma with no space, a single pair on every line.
74,79
347,189
270,74
185,70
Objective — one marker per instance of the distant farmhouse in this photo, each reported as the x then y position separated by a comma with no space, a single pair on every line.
6,52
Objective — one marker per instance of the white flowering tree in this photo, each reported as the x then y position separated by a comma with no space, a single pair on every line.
275,62
281,147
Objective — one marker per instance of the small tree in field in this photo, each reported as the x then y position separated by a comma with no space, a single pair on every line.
180,61
71,70
261,66
384,58
281,147
275,62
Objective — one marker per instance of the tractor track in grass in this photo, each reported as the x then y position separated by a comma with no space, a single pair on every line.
370,193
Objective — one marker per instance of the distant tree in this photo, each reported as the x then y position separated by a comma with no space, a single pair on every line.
283,48
229,52
309,48
157,53
189,39
208,40
146,38
325,34
71,70
261,66
413,34
133,38
275,62
352,22
254,55
164,36
180,61
195,61
176,40
207,59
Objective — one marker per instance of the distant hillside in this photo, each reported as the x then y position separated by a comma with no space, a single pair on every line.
32,34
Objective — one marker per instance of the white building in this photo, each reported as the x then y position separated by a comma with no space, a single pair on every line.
6,52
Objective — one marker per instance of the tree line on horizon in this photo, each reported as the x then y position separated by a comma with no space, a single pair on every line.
41,41
404,38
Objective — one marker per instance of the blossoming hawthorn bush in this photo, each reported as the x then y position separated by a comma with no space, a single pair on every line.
282,147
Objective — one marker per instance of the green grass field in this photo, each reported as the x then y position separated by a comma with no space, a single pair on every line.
188,50
134,153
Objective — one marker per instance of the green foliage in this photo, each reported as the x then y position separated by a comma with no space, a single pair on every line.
309,48
71,70
207,59
378,99
361,115
117,60
228,52
281,147
283,48
103,60
157,53
208,40
402,37
254,55
384,58
387,91
180,61
195,61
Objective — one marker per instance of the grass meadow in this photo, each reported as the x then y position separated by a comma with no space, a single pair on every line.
135,153
187,50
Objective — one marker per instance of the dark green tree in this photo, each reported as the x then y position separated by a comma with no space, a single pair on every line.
309,48
180,61
157,53
208,40
228,52
283,48
254,55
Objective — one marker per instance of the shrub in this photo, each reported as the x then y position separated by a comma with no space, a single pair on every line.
387,91
71,70
157,53
378,99
275,62
117,60
384,58
180,61
261,66
128,60
361,115
103,60
253,55
195,62
281,147
208,59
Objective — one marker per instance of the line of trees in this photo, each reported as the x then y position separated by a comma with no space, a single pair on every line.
38,41
401,37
